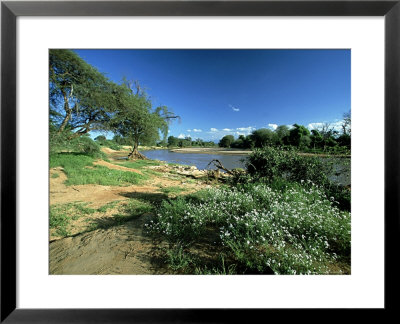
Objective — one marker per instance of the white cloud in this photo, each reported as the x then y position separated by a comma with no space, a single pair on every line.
273,126
181,135
197,130
246,130
216,134
189,130
234,108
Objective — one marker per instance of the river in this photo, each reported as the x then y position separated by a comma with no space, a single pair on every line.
197,159
341,165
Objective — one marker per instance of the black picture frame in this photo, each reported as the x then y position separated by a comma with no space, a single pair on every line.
10,10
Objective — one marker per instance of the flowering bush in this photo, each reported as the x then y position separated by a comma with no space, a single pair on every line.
288,228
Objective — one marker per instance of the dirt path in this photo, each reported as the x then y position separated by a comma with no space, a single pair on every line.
115,167
123,249
115,248
95,195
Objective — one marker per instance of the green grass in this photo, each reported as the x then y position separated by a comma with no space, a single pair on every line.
55,175
137,207
130,210
139,164
80,170
62,215
173,190
178,259
108,206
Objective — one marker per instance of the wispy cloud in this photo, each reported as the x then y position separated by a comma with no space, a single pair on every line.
234,108
197,130
181,135
213,130
227,130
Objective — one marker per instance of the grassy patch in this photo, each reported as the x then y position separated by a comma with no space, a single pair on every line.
129,210
178,259
136,207
80,170
139,164
62,215
55,175
173,190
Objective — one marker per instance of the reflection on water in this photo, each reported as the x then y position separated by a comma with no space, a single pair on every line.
341,166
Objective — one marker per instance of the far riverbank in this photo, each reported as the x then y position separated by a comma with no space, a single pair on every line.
211,150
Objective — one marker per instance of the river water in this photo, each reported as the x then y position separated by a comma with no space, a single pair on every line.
341,165
197,159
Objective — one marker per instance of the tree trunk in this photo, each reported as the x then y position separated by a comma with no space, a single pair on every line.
68,112
135,154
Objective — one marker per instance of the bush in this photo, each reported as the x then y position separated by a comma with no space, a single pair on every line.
272,163
284,227
82,144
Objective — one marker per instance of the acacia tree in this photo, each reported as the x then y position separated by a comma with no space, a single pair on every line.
136,121
81,98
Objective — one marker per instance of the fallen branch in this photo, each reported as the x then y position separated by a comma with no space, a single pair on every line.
219,165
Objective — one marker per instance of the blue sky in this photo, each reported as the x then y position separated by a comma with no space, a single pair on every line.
219,92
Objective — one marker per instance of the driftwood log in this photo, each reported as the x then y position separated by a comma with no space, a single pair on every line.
219,166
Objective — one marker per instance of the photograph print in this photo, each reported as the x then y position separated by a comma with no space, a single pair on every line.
200,161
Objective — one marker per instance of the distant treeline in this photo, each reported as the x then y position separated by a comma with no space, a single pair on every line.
324,139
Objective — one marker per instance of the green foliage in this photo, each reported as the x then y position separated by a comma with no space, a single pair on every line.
243,142
172,190
136,120
137,207
272,163
178,259
173,141
81,98
285,227
275,164
317,141
262,137
299,136
281,133
100,138
226,141
83,144
118,139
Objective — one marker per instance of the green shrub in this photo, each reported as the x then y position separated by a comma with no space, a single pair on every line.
272,163
285,227
81,144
